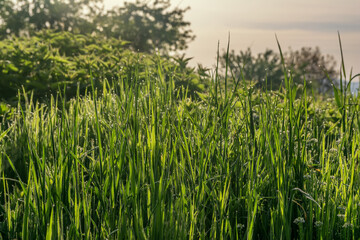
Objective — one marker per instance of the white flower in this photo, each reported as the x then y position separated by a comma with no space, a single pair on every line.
299,220
347,225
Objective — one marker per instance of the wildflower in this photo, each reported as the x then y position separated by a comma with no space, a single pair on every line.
318,224
240,226
347,225
299,220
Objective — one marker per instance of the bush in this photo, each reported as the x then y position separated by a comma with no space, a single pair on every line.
49,61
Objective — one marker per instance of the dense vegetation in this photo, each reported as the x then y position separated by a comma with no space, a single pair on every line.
100,141
50,61
266,68
149,26
139,159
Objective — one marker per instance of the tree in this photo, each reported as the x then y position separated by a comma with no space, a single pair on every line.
312,64
306,62
29,16
8,17
148,27
265,67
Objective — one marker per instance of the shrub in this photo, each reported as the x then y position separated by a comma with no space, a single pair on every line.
49,61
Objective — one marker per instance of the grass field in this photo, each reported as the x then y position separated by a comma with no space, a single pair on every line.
141,161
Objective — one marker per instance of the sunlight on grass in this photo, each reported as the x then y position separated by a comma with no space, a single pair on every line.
141,160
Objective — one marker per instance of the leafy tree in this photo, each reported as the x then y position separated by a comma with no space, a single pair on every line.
28,16
8,17
148,27
312,64
266,67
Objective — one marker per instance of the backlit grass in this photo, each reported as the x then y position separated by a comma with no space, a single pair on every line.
142,161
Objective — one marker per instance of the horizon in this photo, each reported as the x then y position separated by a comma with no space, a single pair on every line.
254,25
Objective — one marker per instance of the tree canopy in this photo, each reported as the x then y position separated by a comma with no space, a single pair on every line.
29,16
266,67
147,26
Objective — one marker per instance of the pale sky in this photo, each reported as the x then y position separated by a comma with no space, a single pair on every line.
254,23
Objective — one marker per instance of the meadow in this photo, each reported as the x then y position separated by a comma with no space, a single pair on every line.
139,157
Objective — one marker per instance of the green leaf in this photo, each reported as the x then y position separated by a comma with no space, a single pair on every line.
12,67
50,226
3,134
308,196
338,99
294,90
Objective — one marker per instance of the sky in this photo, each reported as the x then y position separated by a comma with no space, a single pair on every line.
306,23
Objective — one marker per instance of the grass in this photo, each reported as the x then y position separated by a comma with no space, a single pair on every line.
142,161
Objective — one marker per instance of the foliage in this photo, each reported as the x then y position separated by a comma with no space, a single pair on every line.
310,64
6,112
50,61
29,16
266,68
148,27
135,162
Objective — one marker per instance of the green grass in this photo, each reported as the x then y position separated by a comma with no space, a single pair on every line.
142,161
